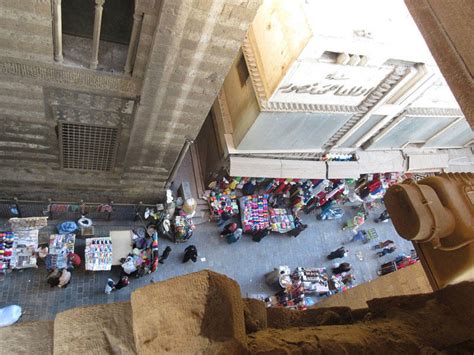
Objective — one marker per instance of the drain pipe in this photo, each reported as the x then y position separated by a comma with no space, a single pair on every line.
187,143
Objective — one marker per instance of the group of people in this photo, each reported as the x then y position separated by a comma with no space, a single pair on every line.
59,267
339,268
386,247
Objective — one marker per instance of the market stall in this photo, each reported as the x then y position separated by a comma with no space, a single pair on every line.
281,220
25,241
222,203
302,287
254,213
60,245
98,254
6,250
122,245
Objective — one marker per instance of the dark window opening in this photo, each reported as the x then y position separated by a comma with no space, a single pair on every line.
242,70
78,27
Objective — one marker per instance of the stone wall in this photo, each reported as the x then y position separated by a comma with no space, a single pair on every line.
179,66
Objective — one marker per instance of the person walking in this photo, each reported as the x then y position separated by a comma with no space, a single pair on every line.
112,286
386,251
384,217
338,253
343,267
385,244
190,253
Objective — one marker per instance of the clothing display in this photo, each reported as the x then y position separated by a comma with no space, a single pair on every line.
59,242
254,212
98,254
220,203
24,252
6,250
281,220
183,228
28,223
315,280
400,262
25,232
60,246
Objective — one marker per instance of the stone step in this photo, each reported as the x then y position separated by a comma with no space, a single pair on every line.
98,329
28,338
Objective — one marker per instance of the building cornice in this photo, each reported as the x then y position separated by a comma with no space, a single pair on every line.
433,111
50,74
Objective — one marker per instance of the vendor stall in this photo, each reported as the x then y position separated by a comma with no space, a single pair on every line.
98,254
6,250
60,245
122,242
25,240
315,280
183,229
222,203
254,213
281,220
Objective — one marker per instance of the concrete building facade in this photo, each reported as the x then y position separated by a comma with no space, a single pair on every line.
363,82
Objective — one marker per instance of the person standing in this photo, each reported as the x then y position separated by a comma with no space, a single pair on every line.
190,253
229,229
123,282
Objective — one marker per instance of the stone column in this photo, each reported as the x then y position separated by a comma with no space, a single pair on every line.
58,31
187,143
132,47
96,37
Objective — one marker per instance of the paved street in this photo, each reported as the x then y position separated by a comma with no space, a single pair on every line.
245,261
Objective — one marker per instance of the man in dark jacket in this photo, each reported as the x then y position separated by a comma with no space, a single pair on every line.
190,253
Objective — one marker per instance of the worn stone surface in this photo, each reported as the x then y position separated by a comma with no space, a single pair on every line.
194,46
184,50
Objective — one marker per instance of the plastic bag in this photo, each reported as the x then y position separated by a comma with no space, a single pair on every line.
129,266
9,315
67,227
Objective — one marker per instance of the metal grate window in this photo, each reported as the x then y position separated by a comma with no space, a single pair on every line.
87,147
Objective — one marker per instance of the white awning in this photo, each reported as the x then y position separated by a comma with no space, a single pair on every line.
427,162
277,168
381,162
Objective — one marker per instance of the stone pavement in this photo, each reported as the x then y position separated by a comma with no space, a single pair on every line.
245,261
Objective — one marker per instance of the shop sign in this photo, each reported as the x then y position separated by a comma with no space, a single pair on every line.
322,83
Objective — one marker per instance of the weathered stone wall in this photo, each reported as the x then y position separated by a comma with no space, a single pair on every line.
26,30
178,69
195,44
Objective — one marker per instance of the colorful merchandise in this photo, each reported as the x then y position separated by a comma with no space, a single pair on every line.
7,240
28,223
281,220
183,228
60,246
24,253
254,212
98,254
220,203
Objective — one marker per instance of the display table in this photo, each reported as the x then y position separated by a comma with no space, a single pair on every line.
24,251
254,212
122,242
60,245
183,229
25,240
98,254
221,203
281,220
